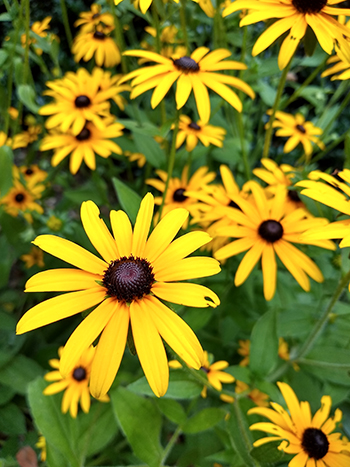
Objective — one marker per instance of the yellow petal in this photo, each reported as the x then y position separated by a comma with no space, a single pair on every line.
188,268
269,268
186,294
62,280
142,225
122,232
248,262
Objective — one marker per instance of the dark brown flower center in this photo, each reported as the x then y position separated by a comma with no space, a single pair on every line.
82,101
83,135
293,195
96,15
206,370
186,64
79,374
19,197
179,196
129,278
301,129
29,172
315,443
271,231
99,35
309,6
194,126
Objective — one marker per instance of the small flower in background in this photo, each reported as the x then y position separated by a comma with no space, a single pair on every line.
89,20
40,28
215,374
34,257
194,131
207,7
264,229
41,444
193,72
310,439
83,146
98,45
128,285
54,223
340,65
77,99
75,384
137,157
21,200
244,350
5,140
32,174
296,16
298,131
258,397
176,194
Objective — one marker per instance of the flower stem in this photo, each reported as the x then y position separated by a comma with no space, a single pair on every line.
171,161
156,25
66,23
184,25
268,135
119,37
171,444
244,152
318,328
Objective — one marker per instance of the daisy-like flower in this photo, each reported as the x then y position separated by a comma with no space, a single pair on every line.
75,384
340,65
90,19
215,374
34,257
310,439
194,131
296,16
83,146
137,157
128,284
40,28
97,44
21,200
298,131
258,397
264,229
196,73
78,99
176,194
32,174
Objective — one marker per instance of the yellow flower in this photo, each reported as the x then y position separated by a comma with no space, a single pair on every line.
39,28
214,374
310,439
137,157
207,7
298,131
176,194
128,285
112,82
98,45
296,16
83,146
75,384
78,99
20,200
90,19
191,73
54,223
194,131
244,350
259,398
264,229
34,257
41,444
32,174
341,65
4,140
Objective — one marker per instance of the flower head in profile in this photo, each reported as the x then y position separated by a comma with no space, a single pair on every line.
196,72
84,146
340,68
265,230
215,374
297,130
77,99
39,28
295,16
128,284
192,132
258,397
207,7
75,384
176,194
137,157
309,438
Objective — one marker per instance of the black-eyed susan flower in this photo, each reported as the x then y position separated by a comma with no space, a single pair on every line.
191,132
75,384
20,199
340,65
214,373
128,285
265,230
297,130
309,438
39,28
77,99
32,174
88,20
98,45
34,257
84,146
176,194
195,72
294,16
258,397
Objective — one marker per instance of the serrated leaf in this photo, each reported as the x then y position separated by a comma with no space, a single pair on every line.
27,95
141,422
267,453
203,420
6,164
128,198
264,344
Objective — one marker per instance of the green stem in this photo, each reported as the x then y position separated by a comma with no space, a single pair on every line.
244,152
184,25
329,148
118,37
66,23
171,444
171,161
318,328
268,135
339,111
156,25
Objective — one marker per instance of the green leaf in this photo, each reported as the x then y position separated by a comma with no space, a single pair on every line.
203,420
267,453
310,42
151,149
128,198
19,372
27,95
6,164
12,421
264,344
5,17
172,410
141,421
3,57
